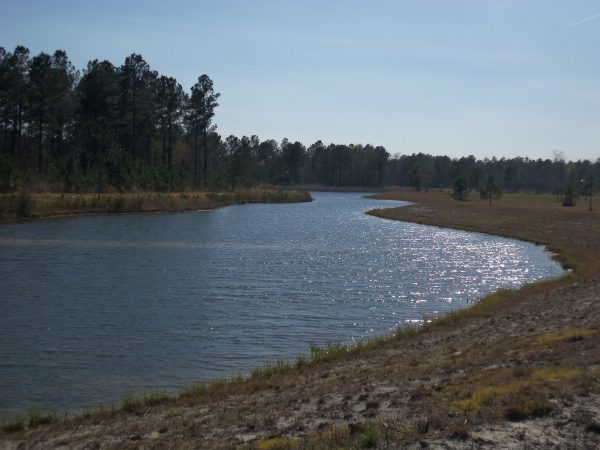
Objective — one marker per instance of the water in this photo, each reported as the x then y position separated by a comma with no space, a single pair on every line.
96,308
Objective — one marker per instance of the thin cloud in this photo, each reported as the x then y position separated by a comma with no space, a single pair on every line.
587,19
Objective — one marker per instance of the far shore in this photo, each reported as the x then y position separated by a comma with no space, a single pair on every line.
19,206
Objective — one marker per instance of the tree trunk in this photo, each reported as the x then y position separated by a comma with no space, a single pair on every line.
195,156
19,132
133,119
5,147
40,137
170,145
204,157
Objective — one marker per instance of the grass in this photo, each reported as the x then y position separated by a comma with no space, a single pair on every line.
28,205
335,351
567,334
277,444
330,351
572,233
517,393
149,399
370,437
516,400
37,418
13,426
354,436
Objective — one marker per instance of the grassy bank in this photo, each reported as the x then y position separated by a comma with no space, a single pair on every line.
26,206
520,369
573,233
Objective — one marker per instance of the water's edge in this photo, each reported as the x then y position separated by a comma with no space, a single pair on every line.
387,335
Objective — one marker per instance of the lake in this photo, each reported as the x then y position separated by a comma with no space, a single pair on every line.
97,308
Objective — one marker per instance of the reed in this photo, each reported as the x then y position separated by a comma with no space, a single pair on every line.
25,205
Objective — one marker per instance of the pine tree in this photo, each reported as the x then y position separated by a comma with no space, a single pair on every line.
203,101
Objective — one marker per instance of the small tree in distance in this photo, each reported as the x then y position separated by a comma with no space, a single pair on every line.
509,175
415,176
490,189
573,187
460,187
588,189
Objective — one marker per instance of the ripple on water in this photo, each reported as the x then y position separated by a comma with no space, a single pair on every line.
99,307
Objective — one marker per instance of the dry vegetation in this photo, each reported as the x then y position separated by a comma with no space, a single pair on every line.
520,369
31,205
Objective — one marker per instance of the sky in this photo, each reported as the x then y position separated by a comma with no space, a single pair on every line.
501,78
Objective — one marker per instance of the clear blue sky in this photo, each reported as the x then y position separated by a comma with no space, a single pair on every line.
483,77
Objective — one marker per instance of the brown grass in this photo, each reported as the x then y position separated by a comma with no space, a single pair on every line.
573,233
26,206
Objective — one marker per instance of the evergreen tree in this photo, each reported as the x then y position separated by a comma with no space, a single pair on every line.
170,101
588,189
460,187
416,176
203,101
40,93
490,190
137,106
64,77
509,176
14,97
97,124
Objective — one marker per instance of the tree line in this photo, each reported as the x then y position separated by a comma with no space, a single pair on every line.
568,180
128,127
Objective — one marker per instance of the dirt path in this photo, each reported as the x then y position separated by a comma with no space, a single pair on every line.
518,370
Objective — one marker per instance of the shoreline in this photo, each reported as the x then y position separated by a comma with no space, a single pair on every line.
490,309
17,207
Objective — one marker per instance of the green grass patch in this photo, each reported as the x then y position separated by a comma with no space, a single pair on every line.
370,437
195,390
512,394
482,395
278,443
566,334
202,389
131,405
318,354
555,374
37,418
156,398
136,404
13,426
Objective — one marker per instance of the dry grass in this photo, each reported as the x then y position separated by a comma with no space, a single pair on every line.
572,233
568,334
26,206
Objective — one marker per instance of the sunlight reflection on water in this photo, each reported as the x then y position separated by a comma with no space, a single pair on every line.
96,308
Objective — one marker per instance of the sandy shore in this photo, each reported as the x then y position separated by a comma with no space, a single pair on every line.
520,369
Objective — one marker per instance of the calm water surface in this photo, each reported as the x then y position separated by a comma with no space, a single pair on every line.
96,308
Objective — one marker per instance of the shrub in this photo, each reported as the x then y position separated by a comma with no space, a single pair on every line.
24,206
14,426
36,418
9,174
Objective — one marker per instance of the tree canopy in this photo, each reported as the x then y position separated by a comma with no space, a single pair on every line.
128,127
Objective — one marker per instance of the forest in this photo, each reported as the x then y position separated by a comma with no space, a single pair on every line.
110,128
